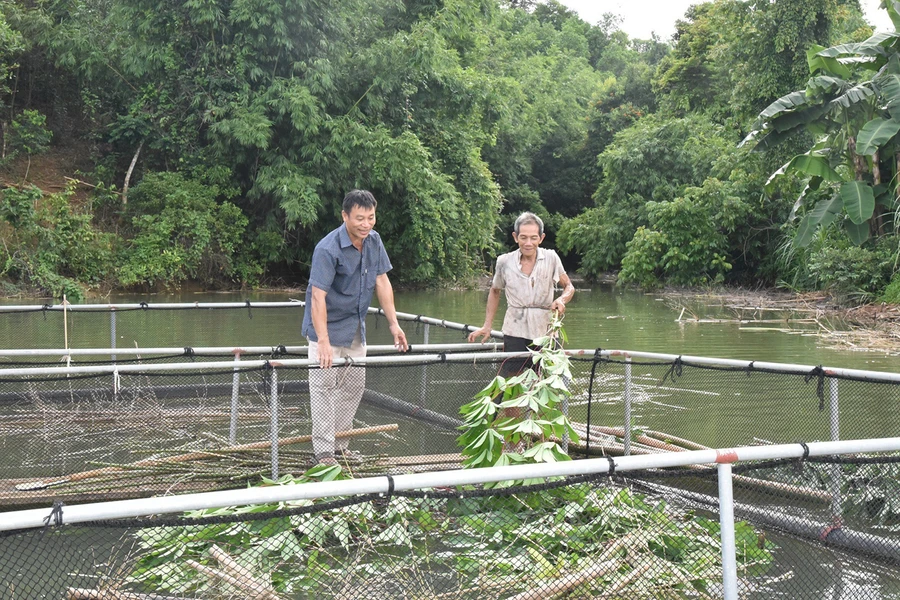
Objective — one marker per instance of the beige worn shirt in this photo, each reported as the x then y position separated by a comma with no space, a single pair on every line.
528,297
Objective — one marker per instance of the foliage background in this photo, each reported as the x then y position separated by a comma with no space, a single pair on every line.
213,141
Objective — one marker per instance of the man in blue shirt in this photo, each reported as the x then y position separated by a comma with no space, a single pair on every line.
348,266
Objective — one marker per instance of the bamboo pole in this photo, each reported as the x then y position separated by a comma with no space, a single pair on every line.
807,320
246,583
665,437
641,439
617,450
197,455
567,582
85,594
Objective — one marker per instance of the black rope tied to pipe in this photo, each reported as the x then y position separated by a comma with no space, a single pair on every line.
418,322
800,462
390,490
45,308
750,368
674,371
144,306
265,374
189,352
587,441
612,466
56,513
818,372
279,351
249,312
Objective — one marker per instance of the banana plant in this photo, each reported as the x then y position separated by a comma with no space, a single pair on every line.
851,106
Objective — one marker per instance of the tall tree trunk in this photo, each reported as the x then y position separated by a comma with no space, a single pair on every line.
130,170
876,180
859,163
897,179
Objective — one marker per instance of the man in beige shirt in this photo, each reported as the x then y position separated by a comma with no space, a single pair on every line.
528,275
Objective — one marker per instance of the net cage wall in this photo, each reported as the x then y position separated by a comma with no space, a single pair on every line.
187,422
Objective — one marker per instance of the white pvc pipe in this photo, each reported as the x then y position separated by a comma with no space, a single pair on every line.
274,434
394,359
626,439
132,306
742,364
223,305
423,384
837,474
406,358
726,532
81,513
235,396
226,350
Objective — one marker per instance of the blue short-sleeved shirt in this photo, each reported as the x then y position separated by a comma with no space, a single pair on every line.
348,277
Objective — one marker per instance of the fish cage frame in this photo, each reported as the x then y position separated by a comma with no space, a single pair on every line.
723,459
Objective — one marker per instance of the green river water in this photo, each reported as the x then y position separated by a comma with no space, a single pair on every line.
600,316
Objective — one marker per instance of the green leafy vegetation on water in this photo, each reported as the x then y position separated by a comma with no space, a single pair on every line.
212,141
520,542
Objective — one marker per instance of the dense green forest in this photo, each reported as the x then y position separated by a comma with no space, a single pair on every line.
151,143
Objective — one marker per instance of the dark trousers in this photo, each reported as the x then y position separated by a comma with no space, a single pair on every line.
517,364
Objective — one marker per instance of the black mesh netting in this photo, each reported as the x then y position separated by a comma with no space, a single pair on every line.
644,535
812,528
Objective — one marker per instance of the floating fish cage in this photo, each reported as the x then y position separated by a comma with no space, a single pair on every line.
85,423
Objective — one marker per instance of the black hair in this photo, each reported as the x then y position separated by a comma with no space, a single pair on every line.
360,198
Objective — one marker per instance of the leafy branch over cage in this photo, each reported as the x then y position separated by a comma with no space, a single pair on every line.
495,435
452,547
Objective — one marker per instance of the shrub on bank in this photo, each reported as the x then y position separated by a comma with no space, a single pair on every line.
49,245
178,232
172,231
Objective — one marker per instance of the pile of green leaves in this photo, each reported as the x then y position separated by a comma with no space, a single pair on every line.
426,546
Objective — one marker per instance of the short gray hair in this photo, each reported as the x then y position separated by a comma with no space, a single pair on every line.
528,217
